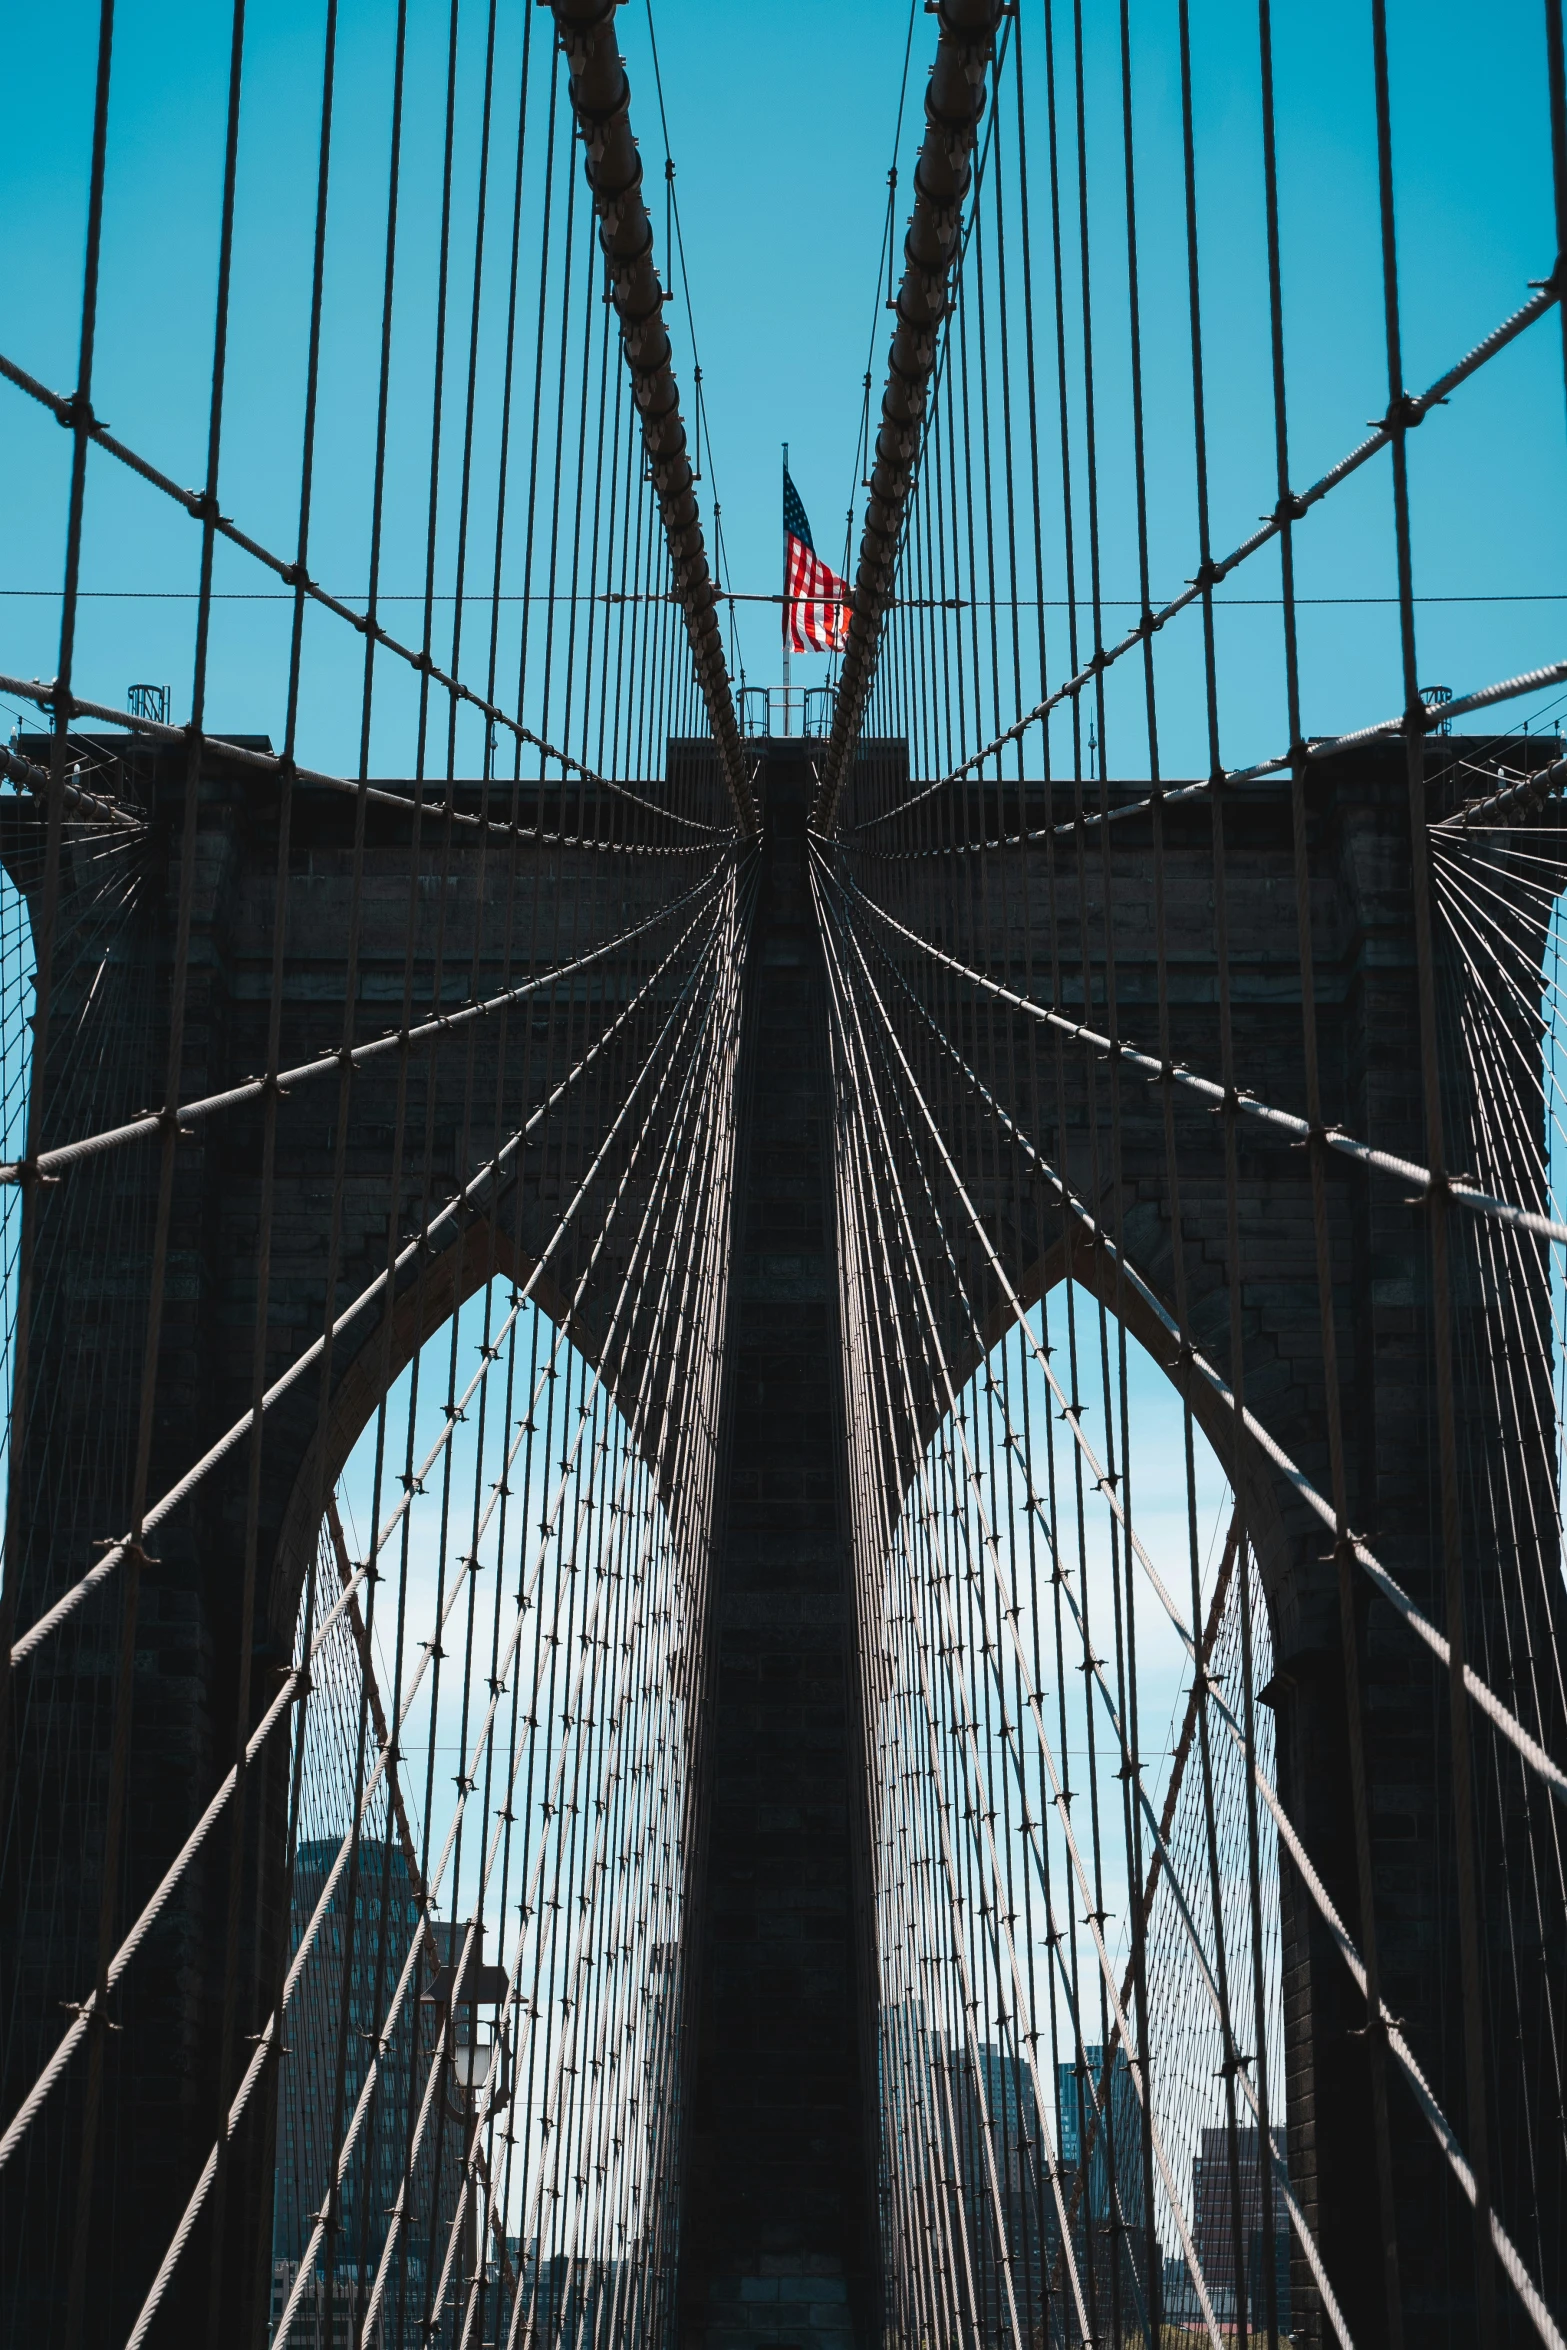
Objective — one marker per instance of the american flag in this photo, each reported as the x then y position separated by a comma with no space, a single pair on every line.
816,606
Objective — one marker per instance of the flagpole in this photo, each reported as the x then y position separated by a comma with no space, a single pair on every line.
786,607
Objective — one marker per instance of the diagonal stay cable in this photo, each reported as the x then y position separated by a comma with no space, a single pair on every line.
1505,2250
1060,1797
1245,1104
404,1039
690,1164
270,2033
466,1202
1416,408
46,694
1480,1692
88,806
1441,2129
869,1220
158,1900
406,1842
203,509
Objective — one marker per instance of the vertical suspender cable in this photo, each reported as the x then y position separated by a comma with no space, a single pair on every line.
954,102
601,99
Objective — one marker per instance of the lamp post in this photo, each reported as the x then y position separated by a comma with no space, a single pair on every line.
461,1987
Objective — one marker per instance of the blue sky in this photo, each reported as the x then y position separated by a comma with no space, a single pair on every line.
781,125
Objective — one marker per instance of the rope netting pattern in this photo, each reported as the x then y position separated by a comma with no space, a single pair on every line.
367,1175
1129,1036
354,1623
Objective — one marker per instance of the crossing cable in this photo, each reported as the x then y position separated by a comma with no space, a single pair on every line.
76,416
957,1278
49,696
401,1040
1495,2235
364,1573
702,1158
1239,1463
1143,1891
133,1550
427,669
464,1203
1317,1142
1247,1105
685,1006
1497,2239
1202,1663
866,1197
1091,513
1461,1774
670,702
1093,1913
701,1311
86,806
947,1385
698,1158
481,1742
1433,718
1499,1715
1292,506
446,844
684,1207
1163,1858
397,1812
1510,1370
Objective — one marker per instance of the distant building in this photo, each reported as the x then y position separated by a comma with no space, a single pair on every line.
574,2298
1213,2228
1114,2129
310,2117
971,2116
311,2329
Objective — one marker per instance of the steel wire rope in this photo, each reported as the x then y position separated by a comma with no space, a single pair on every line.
98,975
1499,1715
432,1879
1441,1331
421,662
397,1816
151,1914
927,1520
119,1756
1498,2239
929,1512
1517,1540
1294,508
468,1196
1500,1077
1247,1104
243,1750
1235,1261
244,755
76,414
1072,1415
464,1780
1091,506
1085,1892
